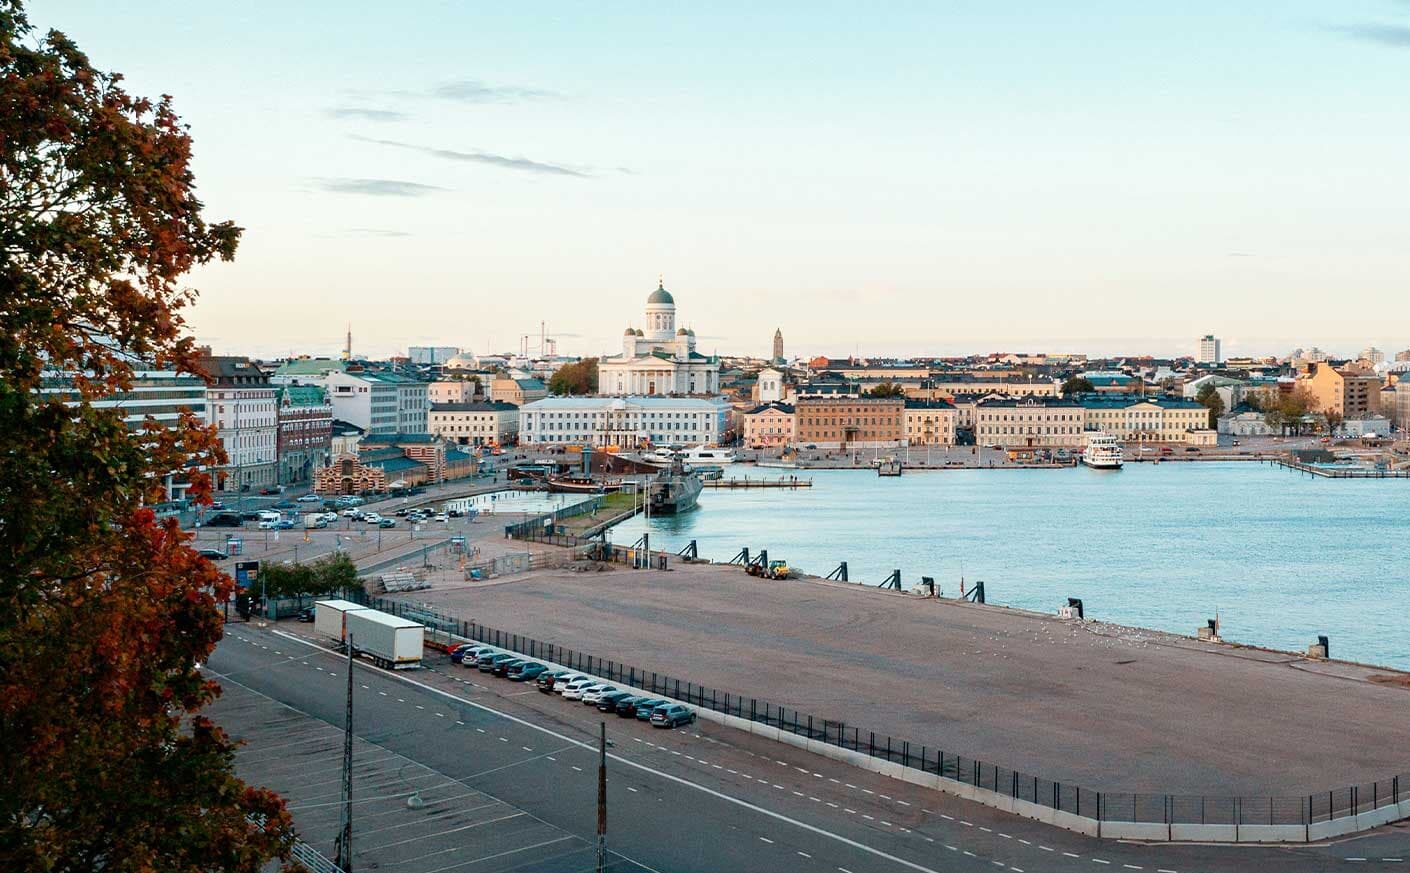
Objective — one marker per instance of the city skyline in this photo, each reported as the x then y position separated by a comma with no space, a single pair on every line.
902,181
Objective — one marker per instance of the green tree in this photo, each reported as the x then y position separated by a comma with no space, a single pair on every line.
106,760
328,575
575,379
887,389
1077,385
1208,397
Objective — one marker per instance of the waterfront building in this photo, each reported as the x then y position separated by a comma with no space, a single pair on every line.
431,355
1244,423
486,423
846,422
1029,422
768,425
517,392
949,386
778,346
930,422
452,391
344,438
305,432
1154,419
379,402
1208,351
1366,424
157,395
625,422
1346,391
660,359
240,403
1402,356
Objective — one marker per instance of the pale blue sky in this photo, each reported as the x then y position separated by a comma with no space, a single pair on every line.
927,178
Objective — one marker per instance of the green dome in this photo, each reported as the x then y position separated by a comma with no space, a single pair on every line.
661,295
629,332
638,332
680,332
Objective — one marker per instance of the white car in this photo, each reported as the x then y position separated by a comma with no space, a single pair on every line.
310,498
594,693
472,656
372,518
574,690
562,682
441,516
330,516
352,513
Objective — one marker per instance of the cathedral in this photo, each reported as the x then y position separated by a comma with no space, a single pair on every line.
660,359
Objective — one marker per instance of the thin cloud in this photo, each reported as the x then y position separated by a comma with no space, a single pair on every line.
378,187
1393,35
493,160
365,114
375,231
476,91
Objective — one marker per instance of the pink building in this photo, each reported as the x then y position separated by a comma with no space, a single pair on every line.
769,425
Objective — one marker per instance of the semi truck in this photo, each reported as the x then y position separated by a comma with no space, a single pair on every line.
328,617
388,641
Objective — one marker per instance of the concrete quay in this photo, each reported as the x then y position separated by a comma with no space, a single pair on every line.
1106,707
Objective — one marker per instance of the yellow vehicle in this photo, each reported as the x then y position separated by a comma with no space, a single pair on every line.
775,570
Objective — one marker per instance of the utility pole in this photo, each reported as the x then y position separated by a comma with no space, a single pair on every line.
344,840
602,799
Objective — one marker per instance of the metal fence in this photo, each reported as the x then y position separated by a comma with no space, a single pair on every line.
532,527
420,558
1120,806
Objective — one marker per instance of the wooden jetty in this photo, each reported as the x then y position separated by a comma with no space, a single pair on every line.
747,482
1342,473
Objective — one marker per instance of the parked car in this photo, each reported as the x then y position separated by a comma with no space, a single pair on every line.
268,524
224,519
330,516
403,512
306,614
547,678
472,656
213,554
607,702
626,706
502,667
644,708
441,516
286,504
574,689
561,682
487,664
310,498
455,513
526,671
672,715
372,518
354,514
217,504
284,524
387,522
594,693
458,653
267,491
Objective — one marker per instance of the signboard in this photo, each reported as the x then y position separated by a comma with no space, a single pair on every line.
246,573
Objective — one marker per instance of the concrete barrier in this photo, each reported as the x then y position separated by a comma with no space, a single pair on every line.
1106,829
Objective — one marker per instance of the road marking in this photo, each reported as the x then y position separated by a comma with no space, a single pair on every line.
805,854
669,777
903,803
1099,861
1163,870
947,817
1024,842
799,794
460,722
632,790
1005,836
766,840
551,758
884,796
966,824
576,767
383,693
481,730
440,715
985,830
504,739
1132,867
867,817
969,853
831,804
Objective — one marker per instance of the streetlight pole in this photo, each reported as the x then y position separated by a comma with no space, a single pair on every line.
602,798
343,843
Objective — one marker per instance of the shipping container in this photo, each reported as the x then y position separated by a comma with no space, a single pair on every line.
328,617
388,641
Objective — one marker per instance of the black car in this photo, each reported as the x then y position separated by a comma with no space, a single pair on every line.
526,671
306,614
213,554
626,706
223,519
502,668
608,702
485,665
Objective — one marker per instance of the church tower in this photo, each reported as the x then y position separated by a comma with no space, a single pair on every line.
778,345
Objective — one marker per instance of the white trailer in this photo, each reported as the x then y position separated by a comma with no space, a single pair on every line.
328,617
388,641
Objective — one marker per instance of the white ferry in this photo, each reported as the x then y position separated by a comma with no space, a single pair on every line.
709,455
1103,451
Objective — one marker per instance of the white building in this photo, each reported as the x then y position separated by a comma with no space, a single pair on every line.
1209,352
626,422
485,423
379,402
240,403
660,359
771,386
431,354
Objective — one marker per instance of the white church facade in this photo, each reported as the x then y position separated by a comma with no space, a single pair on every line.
661,359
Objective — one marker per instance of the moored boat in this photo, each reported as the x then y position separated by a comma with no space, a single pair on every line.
1103,451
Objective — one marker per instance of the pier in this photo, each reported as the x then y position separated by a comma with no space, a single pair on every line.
1346,473
789,482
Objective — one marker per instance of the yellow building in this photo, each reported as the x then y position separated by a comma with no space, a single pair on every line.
1346,391
930,423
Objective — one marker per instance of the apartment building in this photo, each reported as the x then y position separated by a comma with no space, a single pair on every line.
517,391
305,432
768,425
452,391
240,403
485,423
930,422
1347,391
850,421
379,402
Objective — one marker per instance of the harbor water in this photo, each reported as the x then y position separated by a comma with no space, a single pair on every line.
1279,556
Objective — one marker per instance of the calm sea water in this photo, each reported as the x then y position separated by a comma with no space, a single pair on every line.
1281,557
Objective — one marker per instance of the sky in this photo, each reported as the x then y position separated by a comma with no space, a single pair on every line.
920,178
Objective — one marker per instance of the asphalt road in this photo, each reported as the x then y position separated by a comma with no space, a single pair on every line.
507,780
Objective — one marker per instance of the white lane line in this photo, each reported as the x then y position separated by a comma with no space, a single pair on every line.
1132,867
985,830
766,840
669,777
419,706
383,693
1163,870
440,715
1099,861
903,803
632,790
867,817
504,739
1005,836
526,748
947,817
843,870
550,757
805,854
1024,842
831,804
576,767
481,730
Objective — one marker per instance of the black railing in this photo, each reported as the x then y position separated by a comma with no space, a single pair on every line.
1118,806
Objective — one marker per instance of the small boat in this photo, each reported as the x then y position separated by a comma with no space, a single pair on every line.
710,455
580,485
1103,451
709,472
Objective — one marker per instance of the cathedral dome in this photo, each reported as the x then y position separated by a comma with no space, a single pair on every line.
638,332
661,295
681,332
629,332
